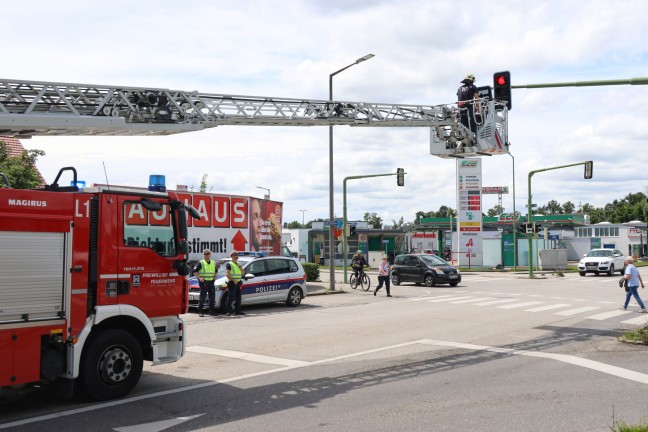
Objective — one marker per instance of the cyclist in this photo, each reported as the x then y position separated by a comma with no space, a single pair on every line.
358,263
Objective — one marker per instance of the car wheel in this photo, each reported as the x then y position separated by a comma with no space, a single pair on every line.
611,270
453,284
581,273
596,273
622,271
395,279
111,365
429,280
294,297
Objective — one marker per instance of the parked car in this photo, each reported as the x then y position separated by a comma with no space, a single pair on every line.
267,279
424,269
602,261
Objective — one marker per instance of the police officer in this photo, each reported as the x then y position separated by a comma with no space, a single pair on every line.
205,271
234,275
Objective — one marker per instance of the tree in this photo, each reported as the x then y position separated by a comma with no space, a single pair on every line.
495,211
374,220
553,207
294,225
203,183
569,207
20,170
400,223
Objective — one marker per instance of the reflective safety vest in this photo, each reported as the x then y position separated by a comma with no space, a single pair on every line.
207,270
235,272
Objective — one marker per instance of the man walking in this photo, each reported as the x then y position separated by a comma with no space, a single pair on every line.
634,280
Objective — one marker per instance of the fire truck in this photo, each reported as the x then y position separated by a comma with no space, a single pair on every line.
92,280
80,301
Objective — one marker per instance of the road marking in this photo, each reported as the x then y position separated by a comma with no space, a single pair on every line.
471,300
642,320
606,315
576,311
439,300
546,308
492,302
158,425
565,358
246,356
428,297
519,305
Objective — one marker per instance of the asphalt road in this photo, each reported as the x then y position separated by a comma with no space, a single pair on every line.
498,352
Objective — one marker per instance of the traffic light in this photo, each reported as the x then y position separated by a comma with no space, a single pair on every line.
352,230
589,167
502,87
400,177
536,228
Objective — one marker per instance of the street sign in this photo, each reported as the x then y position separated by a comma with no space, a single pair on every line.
495,189
338,223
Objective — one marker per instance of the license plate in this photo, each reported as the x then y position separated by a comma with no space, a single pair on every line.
453,276
194,297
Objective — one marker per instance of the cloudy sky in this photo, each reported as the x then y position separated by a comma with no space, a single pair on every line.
288,49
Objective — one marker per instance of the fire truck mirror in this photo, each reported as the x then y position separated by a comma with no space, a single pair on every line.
181,267
151,205
183,247
182,223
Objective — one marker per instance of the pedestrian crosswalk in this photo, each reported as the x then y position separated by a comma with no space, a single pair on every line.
512,301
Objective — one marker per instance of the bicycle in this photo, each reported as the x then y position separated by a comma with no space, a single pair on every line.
363,281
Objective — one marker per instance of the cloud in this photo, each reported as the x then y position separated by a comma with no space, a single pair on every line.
289,49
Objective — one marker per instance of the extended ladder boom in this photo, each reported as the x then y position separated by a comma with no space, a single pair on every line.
29,108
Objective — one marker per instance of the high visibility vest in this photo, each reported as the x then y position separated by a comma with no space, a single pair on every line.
207,270
235,272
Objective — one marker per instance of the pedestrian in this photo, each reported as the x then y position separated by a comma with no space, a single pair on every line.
205,271
383,276
466,96
234,276
634,280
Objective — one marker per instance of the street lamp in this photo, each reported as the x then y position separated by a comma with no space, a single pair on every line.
303,211
331,207
266,196
514,219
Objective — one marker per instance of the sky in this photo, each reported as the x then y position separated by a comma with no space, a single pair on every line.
289,48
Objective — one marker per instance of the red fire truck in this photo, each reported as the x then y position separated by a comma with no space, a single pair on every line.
92,284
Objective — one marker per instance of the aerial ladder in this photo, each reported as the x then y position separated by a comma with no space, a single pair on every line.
34,108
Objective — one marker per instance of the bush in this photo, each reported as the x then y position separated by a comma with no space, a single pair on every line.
312,271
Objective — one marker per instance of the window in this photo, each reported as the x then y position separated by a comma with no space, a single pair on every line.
278,266
149,229
257,268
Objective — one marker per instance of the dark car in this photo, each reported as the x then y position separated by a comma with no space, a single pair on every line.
424,269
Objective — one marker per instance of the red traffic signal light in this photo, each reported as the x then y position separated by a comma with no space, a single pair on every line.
502,87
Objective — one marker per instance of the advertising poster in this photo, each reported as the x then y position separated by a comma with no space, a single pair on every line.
265,226
469,208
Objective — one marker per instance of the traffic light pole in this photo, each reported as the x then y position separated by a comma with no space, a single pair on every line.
530,211
344,215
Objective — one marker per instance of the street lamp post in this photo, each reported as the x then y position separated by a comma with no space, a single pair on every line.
267,196
514,220
303,211
331,206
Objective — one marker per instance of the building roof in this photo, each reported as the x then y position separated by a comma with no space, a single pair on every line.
14,147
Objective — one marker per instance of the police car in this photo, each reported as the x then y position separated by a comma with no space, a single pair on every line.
268,279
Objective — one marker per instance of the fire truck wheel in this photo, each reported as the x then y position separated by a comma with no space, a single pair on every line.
111,365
